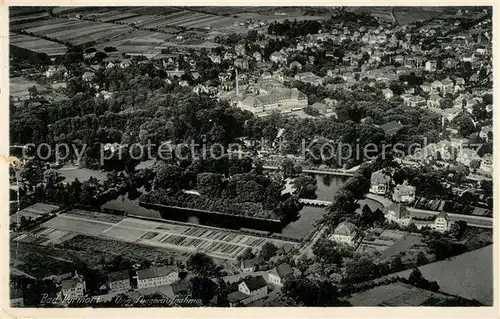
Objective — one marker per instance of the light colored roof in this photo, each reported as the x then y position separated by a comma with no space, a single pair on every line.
345,228
155,272
404,190
380,177
398,210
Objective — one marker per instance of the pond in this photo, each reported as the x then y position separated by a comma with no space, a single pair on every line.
328,185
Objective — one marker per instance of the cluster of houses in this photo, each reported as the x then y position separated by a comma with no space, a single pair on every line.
254,288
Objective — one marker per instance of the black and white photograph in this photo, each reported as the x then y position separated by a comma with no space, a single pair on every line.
249,156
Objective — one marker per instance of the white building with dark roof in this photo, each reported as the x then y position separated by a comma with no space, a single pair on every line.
279,274
157,276
73,288
249,290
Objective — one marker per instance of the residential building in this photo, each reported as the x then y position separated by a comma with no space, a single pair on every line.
431,66
442,223
119,281
344,233
257,56
380,182
403,193
249,290
279,274
278,57
241,63
414,101
487,164
88,76
485,130
157,276
248,265
239,49
73,288
434,100
284,100
398,213
309,77
387,93
215,58
466,156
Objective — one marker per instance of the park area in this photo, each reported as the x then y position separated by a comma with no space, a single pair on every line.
215,242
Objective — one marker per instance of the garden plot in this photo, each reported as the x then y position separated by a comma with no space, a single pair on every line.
78,225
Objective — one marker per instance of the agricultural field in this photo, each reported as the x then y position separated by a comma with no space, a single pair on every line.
50,48
35,211
408,15
467,275
76,32
186,239
394,294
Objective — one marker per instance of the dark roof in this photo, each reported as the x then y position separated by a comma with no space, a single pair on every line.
155,272
118,275
391,127
255,283
247,263
236,296
282,270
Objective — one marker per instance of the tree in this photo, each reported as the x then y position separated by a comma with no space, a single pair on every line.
168,176
310,293
327,253
421,259
458,229
417,279
397,264
203,288
360,270
268,250
201,264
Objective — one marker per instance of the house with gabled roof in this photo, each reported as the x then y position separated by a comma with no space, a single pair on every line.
248,265
403,193
157,276
380,182
119,281
398,213
391,128
344,233
249,290
279,274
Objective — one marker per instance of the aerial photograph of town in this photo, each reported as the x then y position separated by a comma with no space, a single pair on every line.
250,156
